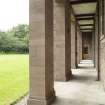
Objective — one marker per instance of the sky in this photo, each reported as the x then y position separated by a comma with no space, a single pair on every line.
12,13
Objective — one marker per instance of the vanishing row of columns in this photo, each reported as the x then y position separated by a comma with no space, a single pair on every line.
50,48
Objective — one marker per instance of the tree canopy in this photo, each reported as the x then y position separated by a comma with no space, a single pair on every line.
16,40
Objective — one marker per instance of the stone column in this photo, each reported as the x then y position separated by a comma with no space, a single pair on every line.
73,48
96,43
76,63
62,43
94,49
41,53
101,73
79,45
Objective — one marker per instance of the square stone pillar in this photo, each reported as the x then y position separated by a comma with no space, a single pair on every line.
76,63
62,37
79,45
73,46
96,46
41,90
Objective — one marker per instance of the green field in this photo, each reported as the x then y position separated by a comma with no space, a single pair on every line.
13,77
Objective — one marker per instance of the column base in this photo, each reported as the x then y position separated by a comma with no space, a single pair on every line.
65,77
73,67
69,75
46,101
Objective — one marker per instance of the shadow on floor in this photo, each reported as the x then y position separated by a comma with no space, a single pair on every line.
83,78
83,89
65,101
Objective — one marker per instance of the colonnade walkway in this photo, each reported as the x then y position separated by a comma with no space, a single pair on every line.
83,89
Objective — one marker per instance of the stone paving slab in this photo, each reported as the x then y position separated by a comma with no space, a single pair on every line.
83,89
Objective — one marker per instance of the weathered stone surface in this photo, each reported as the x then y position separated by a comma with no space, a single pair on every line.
79,45
102,61
96,45
101,47
41,53
61,42
73,48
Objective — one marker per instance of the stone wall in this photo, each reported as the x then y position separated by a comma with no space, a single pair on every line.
87,42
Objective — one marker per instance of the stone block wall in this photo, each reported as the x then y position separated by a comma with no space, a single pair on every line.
87,42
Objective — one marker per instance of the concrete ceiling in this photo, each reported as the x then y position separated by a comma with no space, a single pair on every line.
86,30
84,8
84,11
81,22
86,27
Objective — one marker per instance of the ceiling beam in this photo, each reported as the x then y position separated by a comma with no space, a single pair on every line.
83,15
86,24
89,18
74,2
87,29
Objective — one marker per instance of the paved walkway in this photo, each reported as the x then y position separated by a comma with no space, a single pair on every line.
23,101
82,90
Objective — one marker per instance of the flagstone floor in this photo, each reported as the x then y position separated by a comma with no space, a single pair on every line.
83,89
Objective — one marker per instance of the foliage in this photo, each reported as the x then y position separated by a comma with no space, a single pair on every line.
16,40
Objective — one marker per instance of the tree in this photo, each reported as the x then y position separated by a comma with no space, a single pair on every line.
15,40
21,31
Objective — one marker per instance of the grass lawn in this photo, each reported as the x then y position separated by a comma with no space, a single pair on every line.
13,77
